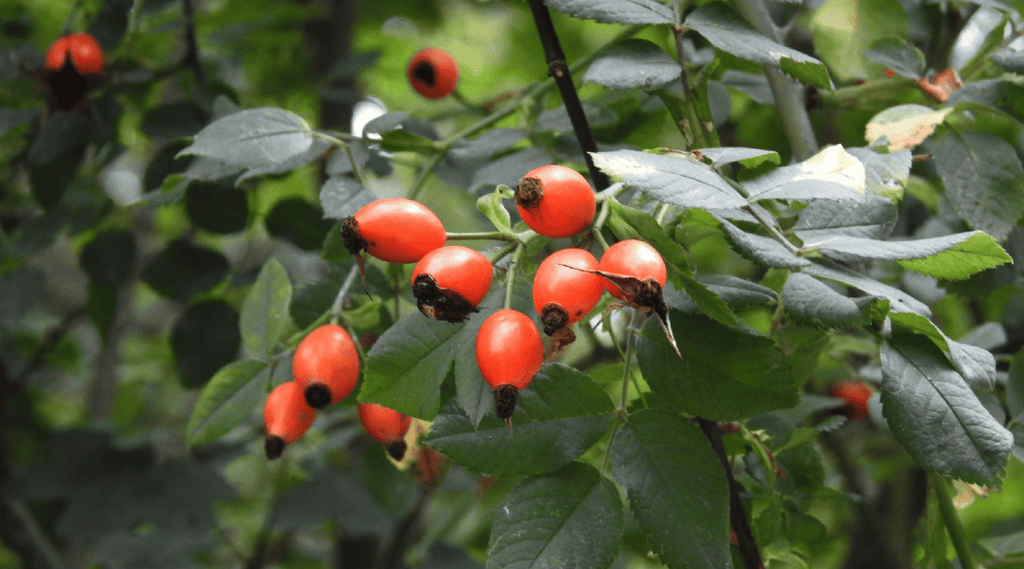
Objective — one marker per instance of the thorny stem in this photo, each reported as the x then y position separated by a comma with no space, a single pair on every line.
952,520
343,292
558,69
737,515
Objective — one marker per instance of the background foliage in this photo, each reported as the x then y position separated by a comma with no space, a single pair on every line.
852,213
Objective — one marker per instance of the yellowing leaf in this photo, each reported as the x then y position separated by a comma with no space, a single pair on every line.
904,126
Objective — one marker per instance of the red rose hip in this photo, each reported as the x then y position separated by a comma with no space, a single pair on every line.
395,230
565,288
387,426
286,416
433,73
632,258
326,365
555,201
449,282
509,351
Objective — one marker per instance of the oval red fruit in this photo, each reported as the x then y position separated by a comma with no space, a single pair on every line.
509,351
395,230
326,365
83,51
449,282
856,395
387,426
557,286
635,259
286,416
433,73
555,201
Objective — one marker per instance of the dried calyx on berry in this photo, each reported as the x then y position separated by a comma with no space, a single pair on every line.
449,282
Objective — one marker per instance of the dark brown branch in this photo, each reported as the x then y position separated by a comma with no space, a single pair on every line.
558,69
737,515
191,58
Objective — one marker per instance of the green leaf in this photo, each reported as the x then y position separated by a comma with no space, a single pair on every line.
217,208
299,222
23,290
832,174
976,365
736,292
678,179
265,310
230,398
706,300
1004,94
633,63
316,150
760,249
204,339
885,174
341,196
572,517
1009,59
616,11
902,57
492,207
725,374
937,418
1015,385
399,140
844,29
872,217
407,364
110,257
253,138
676,487
812,302
984,180
747,157
954,257
183,270
730,33
559,416
899,301
628,223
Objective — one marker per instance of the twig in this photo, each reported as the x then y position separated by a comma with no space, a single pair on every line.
191,45
393,557
20,512
558,69
52,338
737,516
952,520
789,99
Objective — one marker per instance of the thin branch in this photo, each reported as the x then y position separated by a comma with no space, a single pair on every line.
952,521
737,515
52,338
35,535
559,70
789,98
191,45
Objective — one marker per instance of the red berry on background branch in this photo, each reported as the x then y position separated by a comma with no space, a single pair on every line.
386,426
449,282
856,395
72,67
286,416
433,73
326,365
565,289
555,201
509,351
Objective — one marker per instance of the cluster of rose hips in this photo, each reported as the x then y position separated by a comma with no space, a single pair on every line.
325,368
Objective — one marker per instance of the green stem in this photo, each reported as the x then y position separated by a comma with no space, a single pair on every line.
952,520
357,174
496,235
502,253
637,318
513,265
789,99
428,169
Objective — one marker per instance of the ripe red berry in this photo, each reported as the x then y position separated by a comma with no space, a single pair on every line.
562,295
433,73
635,259
889,73
326,365
555,201
395,230
286,416
509,351
856,395
81,50
387,426
449,282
